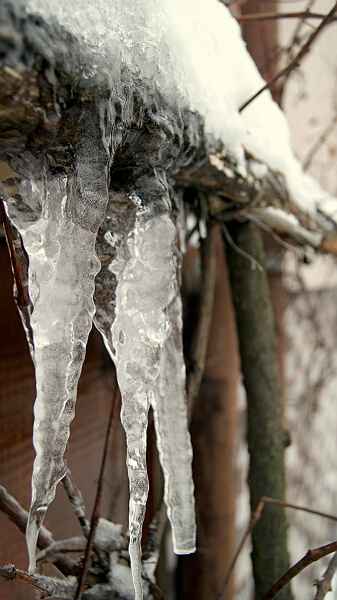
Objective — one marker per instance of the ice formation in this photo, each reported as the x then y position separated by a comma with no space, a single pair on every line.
174,56
142,331
58,219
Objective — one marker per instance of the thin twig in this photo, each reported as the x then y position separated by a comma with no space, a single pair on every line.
310,557
255,264
253,520
9,572
322,138
14,511
323,583
201,335
76,499
298,507
22,297
296,34
271,16
98,500
295,61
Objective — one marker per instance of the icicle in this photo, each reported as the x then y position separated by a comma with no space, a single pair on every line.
142,329
59,233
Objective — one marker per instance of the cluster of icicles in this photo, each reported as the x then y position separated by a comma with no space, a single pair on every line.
64,221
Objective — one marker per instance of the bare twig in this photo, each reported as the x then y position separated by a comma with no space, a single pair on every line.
76,499
50,587
271,16
297,507
254,263
97,506
22,297
317,145
52,552
295,61
9,572
323,583
296,34
200,339
14,511
310,557
253,520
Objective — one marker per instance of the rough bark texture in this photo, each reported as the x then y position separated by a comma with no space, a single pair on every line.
259,364
213,433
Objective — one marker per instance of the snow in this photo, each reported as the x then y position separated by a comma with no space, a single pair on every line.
178,50
178,55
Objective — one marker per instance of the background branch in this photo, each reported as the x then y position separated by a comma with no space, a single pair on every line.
310,557
295,61
14,511
323,583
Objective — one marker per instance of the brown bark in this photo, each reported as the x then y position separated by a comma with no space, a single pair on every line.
259,364
213,431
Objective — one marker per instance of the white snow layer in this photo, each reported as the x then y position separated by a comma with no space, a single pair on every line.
190,53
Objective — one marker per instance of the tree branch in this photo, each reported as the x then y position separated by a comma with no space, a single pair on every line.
201,335
253,520
295,61
14,511
9,572
323,583
310,557
97,506
271,16
76,499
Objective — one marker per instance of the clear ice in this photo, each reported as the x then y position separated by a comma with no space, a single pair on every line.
111,257
58,218
142,330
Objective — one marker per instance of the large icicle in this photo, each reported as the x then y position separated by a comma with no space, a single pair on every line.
58,220
144,339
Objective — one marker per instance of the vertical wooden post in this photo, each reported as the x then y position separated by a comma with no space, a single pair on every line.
213,434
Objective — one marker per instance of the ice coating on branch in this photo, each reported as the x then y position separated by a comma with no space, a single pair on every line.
58,220
142,329
191,53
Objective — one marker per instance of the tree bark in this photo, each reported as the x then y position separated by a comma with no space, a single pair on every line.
259,364
201,575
